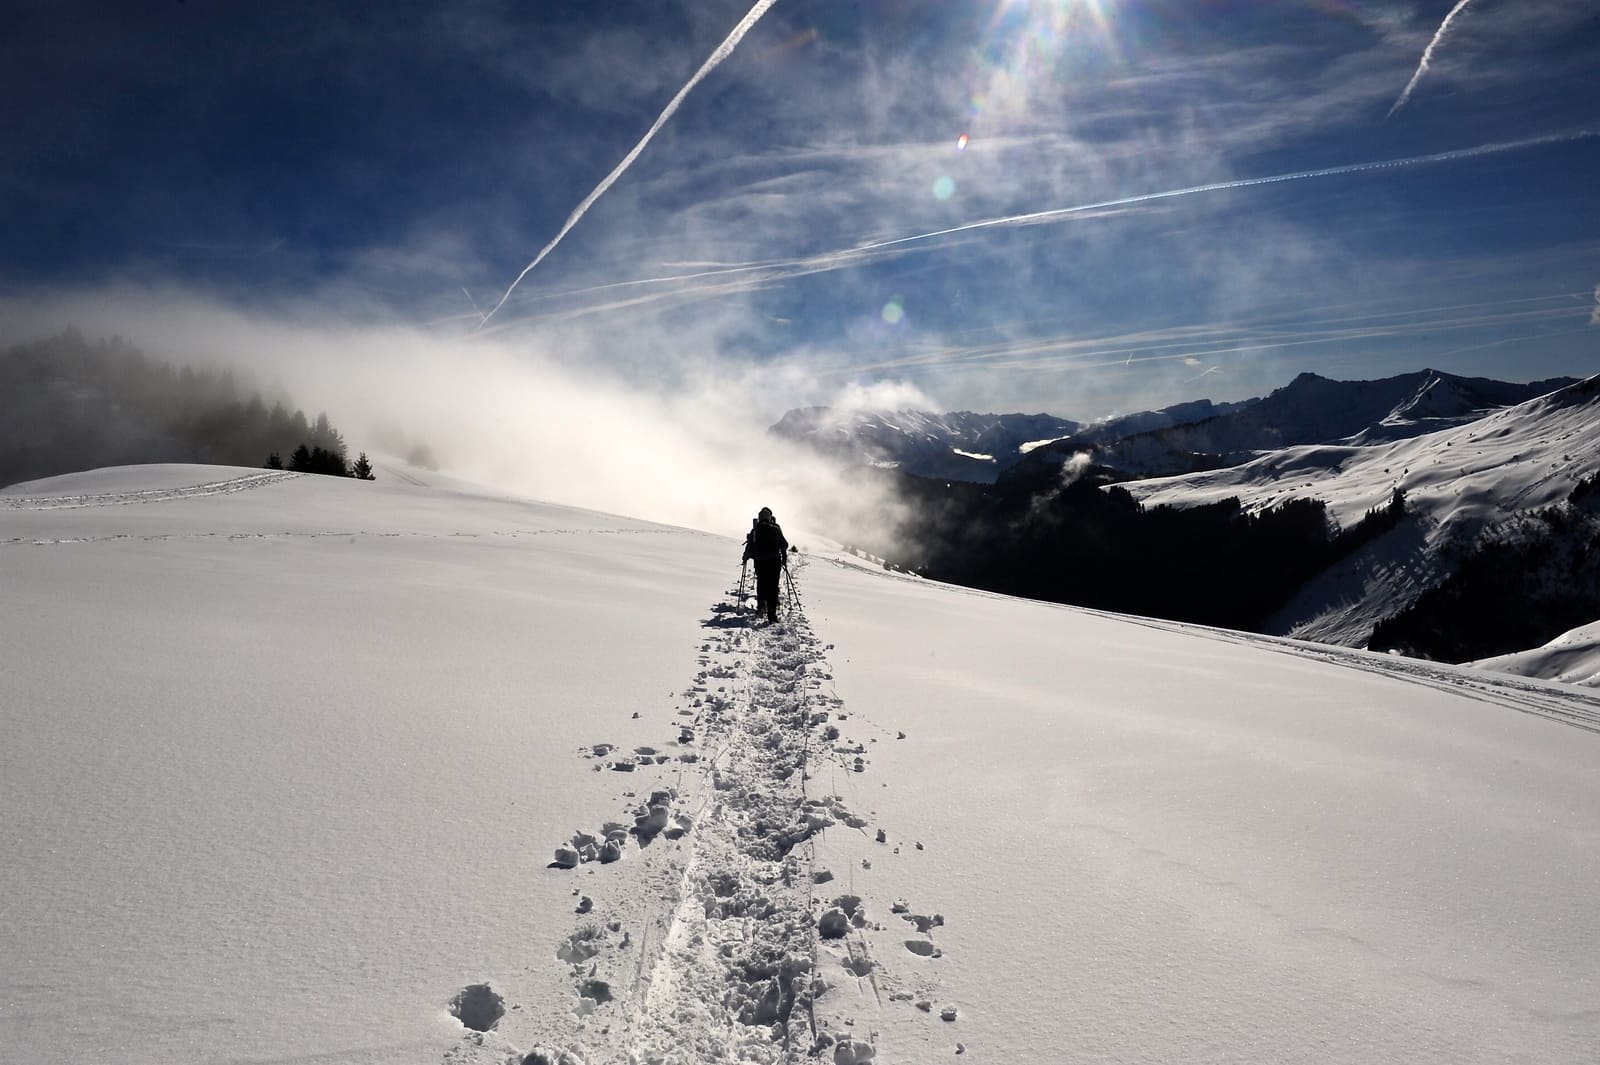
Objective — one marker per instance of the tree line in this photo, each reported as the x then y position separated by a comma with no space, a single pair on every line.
1517,585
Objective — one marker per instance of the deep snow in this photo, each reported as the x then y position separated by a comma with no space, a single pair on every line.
285,762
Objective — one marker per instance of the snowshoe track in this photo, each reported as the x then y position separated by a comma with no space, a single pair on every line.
715,937
736,974
722,955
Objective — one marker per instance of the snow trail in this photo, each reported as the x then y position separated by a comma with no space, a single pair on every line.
724,954
739,953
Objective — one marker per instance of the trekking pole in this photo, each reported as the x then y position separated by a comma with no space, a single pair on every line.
744,570
794,594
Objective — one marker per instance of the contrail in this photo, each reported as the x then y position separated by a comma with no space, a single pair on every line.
722,52
844,257
1427,57
1241,183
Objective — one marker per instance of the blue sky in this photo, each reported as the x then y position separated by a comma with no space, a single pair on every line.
396,166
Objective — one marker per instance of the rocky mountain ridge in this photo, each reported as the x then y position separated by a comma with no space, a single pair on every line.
1183,438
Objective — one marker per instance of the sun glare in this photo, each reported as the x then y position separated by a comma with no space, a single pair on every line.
1095,9
1030,43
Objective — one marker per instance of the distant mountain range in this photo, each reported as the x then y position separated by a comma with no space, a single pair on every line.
1188,437
1445,517
1470,484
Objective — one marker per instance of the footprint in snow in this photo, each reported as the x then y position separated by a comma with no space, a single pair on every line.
580,946
477,1007
858,966
542,1056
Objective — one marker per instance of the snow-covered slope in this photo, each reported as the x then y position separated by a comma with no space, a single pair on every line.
285,761
1456,480
1572,657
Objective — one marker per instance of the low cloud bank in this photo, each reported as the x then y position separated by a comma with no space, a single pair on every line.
684,444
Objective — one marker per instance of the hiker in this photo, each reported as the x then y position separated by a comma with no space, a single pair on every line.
765,546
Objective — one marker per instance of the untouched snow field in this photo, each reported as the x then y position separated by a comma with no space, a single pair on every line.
289,763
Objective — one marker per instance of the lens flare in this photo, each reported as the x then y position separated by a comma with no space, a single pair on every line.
961,143
894,310
944,188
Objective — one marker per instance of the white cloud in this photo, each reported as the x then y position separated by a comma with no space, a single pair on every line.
553,418
1074,468
1071,470
883,395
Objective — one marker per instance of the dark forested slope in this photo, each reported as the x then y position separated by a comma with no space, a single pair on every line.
70,404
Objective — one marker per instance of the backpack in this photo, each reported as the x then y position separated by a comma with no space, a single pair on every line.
766,540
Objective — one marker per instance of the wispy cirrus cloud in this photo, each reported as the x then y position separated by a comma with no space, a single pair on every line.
1131,194
723,280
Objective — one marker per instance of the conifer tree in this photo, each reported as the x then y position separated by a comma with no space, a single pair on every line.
325,461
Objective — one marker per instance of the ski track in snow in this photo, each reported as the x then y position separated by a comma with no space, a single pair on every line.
335,533
736,932
1567,706
153,495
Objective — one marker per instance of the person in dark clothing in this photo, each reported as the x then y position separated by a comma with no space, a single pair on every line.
766,546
